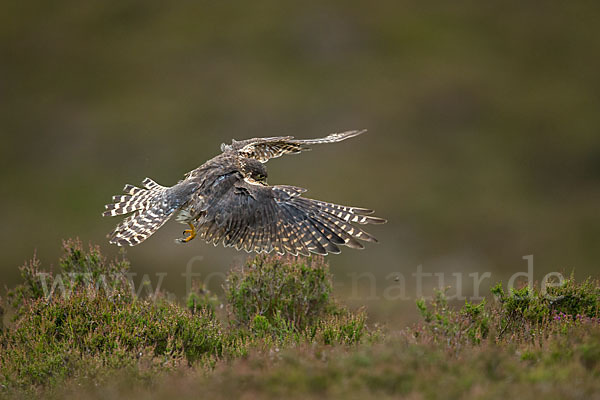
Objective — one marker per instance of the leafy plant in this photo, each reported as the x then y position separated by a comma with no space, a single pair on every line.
523,314
85,322
297,290
470,324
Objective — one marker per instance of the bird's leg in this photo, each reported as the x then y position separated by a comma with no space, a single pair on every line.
192,234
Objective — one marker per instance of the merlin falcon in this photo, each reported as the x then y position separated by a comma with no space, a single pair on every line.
228,200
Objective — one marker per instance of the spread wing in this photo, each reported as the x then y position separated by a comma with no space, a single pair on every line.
261,218
264,149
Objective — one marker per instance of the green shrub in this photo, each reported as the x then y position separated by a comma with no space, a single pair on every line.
525,314
531,314
77,268
297,290
470,324
31,288
290,300
342,329
113,331
575,299
86,328
201,299
283,337
85,322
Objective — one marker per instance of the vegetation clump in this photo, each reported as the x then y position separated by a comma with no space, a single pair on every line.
290,299
84,328
91,322
524,315
469,325
86,323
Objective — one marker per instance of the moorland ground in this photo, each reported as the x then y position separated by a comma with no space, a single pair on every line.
279,332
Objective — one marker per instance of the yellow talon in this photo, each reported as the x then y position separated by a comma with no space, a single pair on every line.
192,234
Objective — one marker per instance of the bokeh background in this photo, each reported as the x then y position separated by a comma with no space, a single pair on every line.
483,118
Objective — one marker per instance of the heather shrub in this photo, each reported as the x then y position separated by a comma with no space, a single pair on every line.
290,299
1,316
531,314
200,299
87,327
575,298
50,337
524,315
77,268
284,334
84,321
297,290
470,324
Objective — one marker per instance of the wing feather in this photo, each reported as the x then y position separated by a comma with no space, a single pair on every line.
263,218
263,149
294,231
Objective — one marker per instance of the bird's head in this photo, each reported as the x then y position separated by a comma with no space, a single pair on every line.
254,170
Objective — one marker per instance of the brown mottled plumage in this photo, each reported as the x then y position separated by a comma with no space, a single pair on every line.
228,200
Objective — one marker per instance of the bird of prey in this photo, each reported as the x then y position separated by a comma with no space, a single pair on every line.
228,200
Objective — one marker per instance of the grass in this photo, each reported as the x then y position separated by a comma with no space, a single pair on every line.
282,334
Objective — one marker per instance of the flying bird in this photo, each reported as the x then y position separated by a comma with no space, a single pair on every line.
228,200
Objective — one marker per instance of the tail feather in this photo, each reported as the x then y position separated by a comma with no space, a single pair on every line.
150,184
135,199
130,189
137,227
150,212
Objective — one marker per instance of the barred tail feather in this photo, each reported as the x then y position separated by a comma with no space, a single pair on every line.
134,199
138,227
150,212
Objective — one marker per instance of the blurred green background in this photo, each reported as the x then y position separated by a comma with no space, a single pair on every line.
483,118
